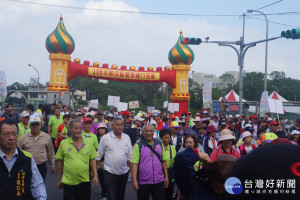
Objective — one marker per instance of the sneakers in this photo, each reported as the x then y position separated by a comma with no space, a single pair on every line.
103,197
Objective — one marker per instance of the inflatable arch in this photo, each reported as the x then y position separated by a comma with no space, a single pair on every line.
60,45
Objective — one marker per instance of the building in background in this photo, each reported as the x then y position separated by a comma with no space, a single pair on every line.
217,82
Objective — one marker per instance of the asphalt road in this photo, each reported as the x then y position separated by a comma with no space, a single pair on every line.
54,193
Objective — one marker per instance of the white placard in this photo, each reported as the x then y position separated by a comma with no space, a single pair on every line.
134,104
173,107
3,88
94,103
113,101
264,106
165,104
275,106
207,95
122,106
150,108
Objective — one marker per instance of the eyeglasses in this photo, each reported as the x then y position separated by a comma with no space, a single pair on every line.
6,135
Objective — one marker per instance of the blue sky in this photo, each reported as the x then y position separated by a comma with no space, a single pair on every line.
144,40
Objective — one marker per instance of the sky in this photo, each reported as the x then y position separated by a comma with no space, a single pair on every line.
145,40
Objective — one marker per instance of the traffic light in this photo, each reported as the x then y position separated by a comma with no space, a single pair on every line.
192,41
294,34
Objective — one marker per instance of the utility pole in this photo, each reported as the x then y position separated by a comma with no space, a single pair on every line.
243,48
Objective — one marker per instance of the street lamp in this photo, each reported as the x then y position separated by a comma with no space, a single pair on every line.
38,102
189,89
266,52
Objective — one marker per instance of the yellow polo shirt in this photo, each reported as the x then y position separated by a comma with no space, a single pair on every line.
76,162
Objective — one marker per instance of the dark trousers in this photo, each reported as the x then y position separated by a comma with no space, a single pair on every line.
169,191
156,190
115,185
102,184
43,169
81,191
53,143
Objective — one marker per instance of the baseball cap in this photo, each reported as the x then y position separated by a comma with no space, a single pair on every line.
88,114
230,116
126,112
35,120
297,120
25,114
237,116
102,125
138,118
269,137
189,113
87,119
222,123
155,114
253,117
172,116
132,112
174,124
295,132
79,113
110,115
273,123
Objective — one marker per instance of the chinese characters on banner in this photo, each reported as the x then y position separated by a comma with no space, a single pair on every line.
270,186
3,89
133,104
122,74
207,95
264,106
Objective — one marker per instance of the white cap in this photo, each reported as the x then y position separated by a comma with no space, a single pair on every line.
230,116
88,114
237,116
138,118
35,120
295,132
25,114
153,122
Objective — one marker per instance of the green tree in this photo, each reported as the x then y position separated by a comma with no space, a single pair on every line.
17,86
228,79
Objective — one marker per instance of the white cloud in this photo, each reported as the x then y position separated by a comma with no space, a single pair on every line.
123,39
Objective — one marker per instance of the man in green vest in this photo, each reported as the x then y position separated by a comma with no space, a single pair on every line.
23,125
54,122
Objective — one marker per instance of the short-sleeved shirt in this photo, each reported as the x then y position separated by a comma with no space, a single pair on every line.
93,138
55,123
135,158
22,130
76,163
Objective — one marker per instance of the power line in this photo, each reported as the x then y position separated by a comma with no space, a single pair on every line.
269,5
274,22
160,13
123,11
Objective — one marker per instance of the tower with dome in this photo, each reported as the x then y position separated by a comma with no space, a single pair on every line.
60,45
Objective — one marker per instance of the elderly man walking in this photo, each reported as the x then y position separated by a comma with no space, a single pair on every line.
116,148
149,161
39,144
75,154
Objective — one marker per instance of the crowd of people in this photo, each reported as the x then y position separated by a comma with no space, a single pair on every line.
166,156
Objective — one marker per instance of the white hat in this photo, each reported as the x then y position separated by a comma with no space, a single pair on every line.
25,114
138,118
197,119
237,116
230,116
35,120
153,122
88,114
102,125
295,132
246,134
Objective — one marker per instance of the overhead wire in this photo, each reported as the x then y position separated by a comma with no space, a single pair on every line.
163,13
